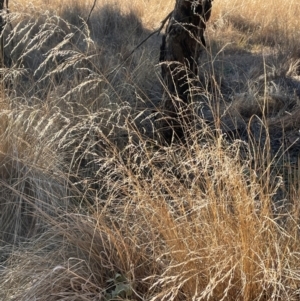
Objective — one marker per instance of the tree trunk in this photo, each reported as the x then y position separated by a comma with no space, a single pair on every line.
1,34
2,24
179,55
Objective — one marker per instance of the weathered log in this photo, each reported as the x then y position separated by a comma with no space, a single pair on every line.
179,54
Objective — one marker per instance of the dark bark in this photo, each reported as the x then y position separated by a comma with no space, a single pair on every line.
2,24
179,54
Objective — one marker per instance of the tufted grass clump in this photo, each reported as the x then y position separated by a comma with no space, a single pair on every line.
96,205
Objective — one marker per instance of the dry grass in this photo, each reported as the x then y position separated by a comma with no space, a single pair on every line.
95,206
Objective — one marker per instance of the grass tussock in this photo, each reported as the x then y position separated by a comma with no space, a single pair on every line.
96,206
162,236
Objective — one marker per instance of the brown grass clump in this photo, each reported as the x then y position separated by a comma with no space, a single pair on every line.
30,178
192,226
96,206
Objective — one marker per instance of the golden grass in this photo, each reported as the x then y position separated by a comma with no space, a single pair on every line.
94,206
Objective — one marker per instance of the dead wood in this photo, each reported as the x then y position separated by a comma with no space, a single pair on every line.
179,54
2,24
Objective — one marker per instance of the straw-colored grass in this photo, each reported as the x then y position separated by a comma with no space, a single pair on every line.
96,206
